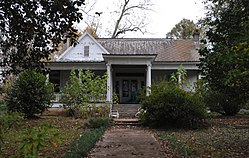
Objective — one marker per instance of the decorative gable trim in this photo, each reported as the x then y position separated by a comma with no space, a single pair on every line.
79,40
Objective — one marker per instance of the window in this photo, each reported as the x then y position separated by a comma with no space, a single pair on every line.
86,51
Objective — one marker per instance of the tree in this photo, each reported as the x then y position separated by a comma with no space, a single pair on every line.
225,52
31,30
30,94
127,20
182,30
128,16
92,30
82,92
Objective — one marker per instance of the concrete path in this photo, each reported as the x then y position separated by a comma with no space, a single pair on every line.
127,142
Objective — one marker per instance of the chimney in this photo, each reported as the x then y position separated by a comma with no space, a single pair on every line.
68,42
196,36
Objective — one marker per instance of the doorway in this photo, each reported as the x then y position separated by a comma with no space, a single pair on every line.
128,90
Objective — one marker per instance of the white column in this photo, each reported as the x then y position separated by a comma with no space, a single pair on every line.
108,95
47,76
148,79
180,79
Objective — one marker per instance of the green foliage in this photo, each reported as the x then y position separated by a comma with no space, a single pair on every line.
38,138
98,122
82,92
179,78
7,120
182,30
221,103
216,101
115,98
30,94
81,147
225,52
3,107
169,105
28,28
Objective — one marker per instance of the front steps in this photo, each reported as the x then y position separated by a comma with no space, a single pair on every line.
127,122
126,110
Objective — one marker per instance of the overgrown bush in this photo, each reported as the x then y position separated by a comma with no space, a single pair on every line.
82,92
222,103
170,105
217,101
29,94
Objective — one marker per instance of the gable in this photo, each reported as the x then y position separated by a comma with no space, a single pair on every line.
87,49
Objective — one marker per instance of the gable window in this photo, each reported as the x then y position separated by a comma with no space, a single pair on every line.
86,51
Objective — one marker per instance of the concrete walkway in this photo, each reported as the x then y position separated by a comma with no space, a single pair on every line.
127,142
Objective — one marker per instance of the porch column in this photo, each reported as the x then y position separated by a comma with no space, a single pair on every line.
109,83
47,76
148,79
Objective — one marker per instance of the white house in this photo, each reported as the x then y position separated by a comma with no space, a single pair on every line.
130,63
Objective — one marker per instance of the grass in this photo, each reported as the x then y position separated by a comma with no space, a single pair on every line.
81,147
227,137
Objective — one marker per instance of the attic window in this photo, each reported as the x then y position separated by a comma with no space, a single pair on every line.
86,51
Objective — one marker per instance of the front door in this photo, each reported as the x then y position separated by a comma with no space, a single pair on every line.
127,90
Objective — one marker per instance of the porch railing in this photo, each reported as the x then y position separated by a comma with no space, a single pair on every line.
99,99
57,98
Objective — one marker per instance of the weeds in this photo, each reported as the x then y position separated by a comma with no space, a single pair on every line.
175,144
80,147
38,138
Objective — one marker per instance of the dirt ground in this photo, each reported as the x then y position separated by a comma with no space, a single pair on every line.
127,142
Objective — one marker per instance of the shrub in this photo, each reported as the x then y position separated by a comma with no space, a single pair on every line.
222,103
169,105
29,94
217,101
98,122
82,92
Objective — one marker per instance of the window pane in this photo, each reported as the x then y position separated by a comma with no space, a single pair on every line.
86,51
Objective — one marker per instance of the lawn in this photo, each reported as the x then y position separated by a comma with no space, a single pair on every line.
227,137
69,130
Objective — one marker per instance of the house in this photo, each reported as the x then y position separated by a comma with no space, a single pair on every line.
131,63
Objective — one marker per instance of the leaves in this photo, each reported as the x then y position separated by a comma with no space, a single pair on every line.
182,30
84,90
29,94
225,53
220,140
37,139
31,30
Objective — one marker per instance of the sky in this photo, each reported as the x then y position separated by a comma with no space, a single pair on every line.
165,14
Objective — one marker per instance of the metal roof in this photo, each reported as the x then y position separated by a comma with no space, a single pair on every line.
166,49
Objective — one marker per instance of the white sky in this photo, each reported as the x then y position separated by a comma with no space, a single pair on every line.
166,14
